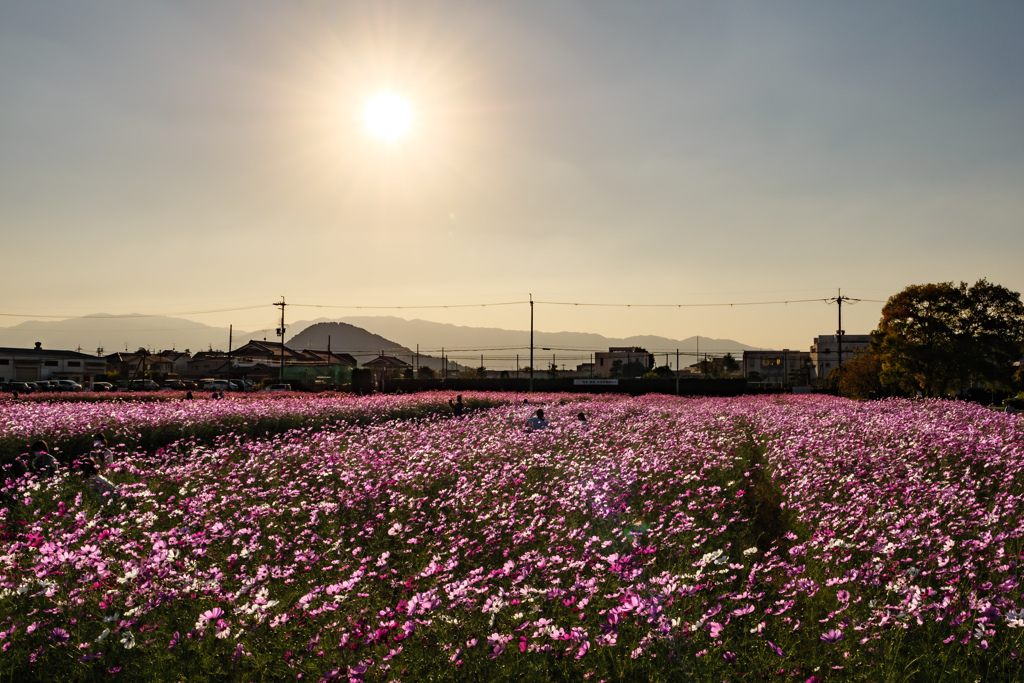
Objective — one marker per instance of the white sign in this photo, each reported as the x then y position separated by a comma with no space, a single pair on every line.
596,382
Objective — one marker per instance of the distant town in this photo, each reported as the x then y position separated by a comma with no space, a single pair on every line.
258,364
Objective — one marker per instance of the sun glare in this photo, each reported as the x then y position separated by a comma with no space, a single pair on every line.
388,116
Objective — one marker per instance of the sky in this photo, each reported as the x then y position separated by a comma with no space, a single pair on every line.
192,156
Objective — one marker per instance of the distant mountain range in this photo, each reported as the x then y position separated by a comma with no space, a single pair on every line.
502,345
361,336
114,334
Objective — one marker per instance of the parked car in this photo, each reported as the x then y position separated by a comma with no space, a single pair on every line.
20,387
102,386
143,385
279,387
68,385
173,385
216,385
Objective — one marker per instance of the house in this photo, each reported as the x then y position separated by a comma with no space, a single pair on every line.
204,364
386,367
269,352
785,367
137,364
314,357
28,365
605,362
179,359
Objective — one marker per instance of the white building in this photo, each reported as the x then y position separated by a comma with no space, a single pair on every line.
825,351
29,365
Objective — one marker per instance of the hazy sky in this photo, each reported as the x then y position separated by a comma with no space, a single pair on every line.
168,157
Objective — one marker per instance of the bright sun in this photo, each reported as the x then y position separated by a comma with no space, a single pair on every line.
388,116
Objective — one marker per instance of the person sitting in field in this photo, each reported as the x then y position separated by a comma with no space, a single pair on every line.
99,484
101,453
41,462
583,419
537,422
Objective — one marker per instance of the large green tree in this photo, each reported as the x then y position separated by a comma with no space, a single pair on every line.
941,338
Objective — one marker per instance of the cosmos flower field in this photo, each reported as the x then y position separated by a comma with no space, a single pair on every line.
803,538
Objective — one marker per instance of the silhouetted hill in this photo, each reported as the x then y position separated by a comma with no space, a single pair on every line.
360,343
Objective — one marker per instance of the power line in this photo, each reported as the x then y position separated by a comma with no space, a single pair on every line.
432,306
399,308
733,303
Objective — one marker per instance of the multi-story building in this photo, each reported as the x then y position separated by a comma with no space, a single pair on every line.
825,352
604,362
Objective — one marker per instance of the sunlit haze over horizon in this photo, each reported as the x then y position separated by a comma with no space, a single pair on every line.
205,159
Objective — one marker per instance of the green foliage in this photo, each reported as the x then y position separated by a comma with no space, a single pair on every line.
632,369
661,371
861,377
942,338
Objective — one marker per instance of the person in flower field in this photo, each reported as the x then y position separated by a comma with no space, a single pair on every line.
458,408
537,421
41,462
101,453
99,484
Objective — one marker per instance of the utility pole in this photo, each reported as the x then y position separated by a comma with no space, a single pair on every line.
280,331
444,365
838,300
677,372
417,364
231,337
531,343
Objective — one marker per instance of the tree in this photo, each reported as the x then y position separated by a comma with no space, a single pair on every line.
860,377
426,372
729,364
661,371
942,338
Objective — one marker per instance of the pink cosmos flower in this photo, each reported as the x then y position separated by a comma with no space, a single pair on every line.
832,636
210,615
